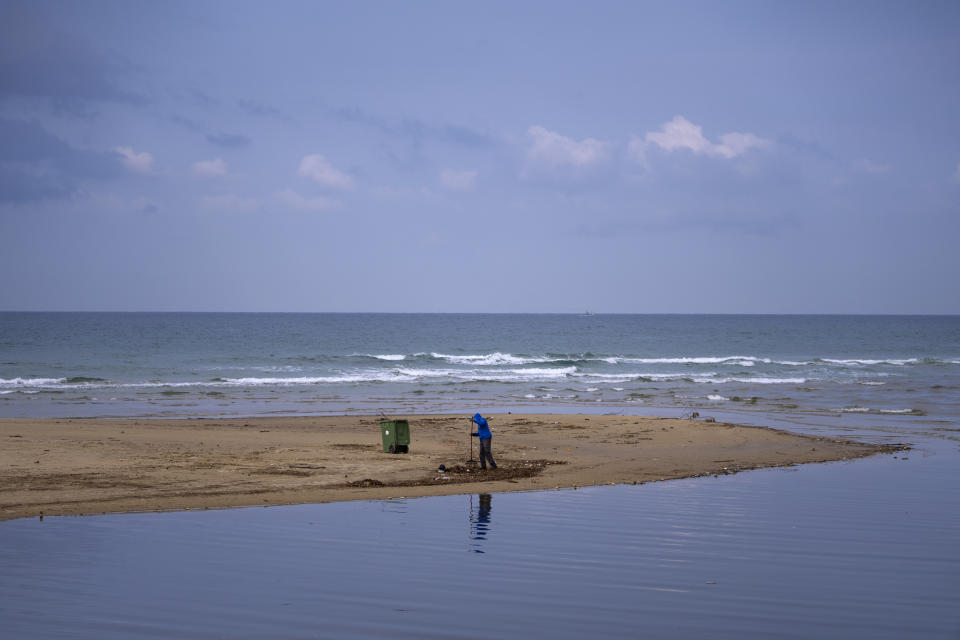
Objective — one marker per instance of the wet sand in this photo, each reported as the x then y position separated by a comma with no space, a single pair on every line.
87,466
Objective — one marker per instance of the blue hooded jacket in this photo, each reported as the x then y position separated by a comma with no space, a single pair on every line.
483,431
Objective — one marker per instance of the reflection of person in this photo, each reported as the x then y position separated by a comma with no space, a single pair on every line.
486,438
480,521
483,509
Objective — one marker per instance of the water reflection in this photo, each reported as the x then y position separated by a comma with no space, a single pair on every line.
479,521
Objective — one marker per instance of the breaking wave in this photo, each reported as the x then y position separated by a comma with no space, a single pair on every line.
29,382
892,412
498,358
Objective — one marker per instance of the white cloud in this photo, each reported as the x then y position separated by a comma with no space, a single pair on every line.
215,168
297,202
140,162
552,150
230,203
735,144
321,171
458,180
680,134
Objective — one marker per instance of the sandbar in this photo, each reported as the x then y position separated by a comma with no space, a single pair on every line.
92,466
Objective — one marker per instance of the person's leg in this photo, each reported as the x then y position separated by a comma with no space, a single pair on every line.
489,452
484,444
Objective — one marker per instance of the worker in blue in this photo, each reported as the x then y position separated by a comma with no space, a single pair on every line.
483,432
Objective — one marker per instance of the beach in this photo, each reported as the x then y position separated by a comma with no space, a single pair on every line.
89,466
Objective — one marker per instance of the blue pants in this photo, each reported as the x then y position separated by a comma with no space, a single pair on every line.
486,455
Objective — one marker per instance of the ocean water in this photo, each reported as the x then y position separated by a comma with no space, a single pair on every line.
864,548
175,364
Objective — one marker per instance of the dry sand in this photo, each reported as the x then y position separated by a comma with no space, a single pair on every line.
83,466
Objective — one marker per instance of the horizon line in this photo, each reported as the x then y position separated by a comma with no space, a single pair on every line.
493,313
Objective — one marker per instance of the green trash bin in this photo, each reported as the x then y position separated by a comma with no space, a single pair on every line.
396,436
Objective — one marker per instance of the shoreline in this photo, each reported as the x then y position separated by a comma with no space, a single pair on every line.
79,466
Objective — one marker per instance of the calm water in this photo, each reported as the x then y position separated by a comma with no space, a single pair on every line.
867,548
863,549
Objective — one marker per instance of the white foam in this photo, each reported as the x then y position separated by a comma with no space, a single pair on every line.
256,382
392,357
898,411
860,362
855,410
752,380
702,378
717,398
744,361
870,383
556,372
372,376
30,382
491,359
429,373
627,377
517,375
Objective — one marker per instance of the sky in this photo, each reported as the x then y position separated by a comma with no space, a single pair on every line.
617,157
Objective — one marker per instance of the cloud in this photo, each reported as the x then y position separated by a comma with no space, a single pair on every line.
322,172
21,183
681,134
230,203
261,110
215,168
551,150
416,130
39,61
458,180
203,98
228,140
293,200
145,205
37,165
956,175
138,162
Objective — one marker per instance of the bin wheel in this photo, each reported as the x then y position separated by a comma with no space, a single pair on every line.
393,448
405,448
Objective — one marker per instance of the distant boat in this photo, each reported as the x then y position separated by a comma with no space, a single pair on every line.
589,313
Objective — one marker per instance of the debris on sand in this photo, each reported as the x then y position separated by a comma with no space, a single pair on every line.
462,473
366,482
507,471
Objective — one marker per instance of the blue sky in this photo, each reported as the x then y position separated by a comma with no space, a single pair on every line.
531,157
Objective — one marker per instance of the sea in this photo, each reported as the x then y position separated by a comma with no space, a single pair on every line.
859,548
224,364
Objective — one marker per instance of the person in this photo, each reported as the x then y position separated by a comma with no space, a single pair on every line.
483,433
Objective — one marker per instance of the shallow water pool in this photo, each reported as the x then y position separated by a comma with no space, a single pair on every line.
858,549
